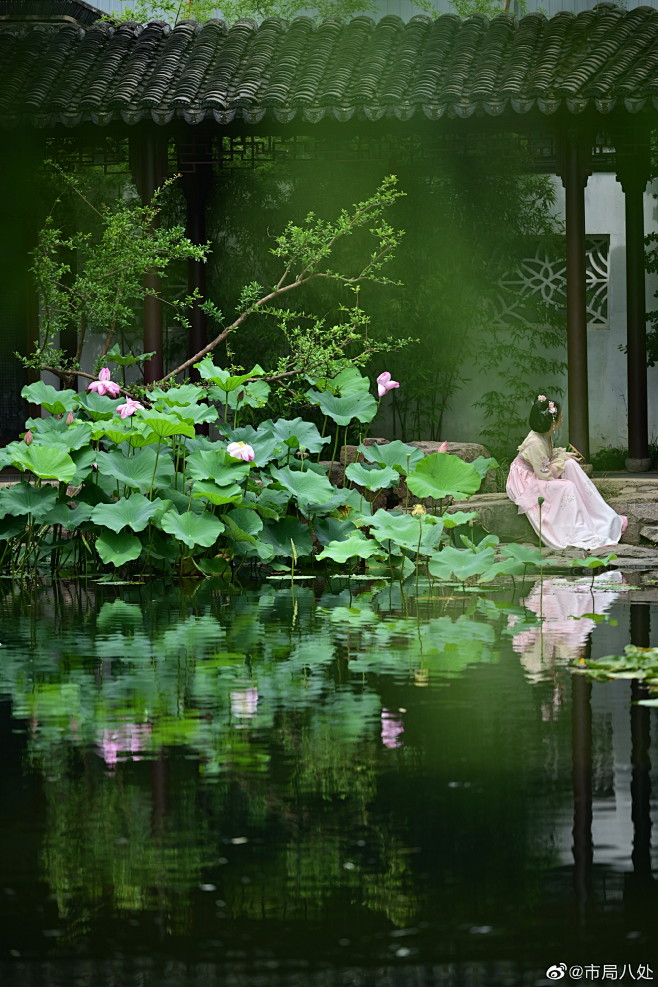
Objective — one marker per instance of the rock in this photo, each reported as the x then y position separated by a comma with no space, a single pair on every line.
499,516
650,532
350,454
468,451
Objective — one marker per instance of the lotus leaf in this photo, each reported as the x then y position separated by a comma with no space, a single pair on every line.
54,401
117,549
183,394
23,498
126,359
45,462
371,478
192,529
222,378
98,406
279,534
69,517
133,512
307,487
342,410
165,426
397,455
420,534
138,471
295,433
207,464
461,563
226,494
442,475
355,545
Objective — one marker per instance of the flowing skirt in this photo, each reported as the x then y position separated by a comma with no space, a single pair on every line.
573,514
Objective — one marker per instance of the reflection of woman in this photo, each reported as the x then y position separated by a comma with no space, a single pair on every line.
573,513
564,628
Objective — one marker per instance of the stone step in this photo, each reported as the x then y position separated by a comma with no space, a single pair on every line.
636,498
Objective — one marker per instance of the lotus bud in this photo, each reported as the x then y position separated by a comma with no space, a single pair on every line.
28,438
69,418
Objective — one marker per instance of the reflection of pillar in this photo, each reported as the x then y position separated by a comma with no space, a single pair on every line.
148,161
159,787
581,733
575,170
197,182
641,878
633,174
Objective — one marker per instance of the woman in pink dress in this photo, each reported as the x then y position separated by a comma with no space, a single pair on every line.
573,513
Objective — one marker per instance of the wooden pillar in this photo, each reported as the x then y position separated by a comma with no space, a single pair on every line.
575,168
574,178
639,884
633,174
197,176
148,162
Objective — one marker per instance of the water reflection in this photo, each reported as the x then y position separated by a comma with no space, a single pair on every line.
568,612
304,774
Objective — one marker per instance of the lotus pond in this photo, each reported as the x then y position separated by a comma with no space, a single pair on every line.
326,782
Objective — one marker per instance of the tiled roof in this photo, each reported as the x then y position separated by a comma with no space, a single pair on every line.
603,58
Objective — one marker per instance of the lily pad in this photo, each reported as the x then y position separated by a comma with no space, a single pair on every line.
442,475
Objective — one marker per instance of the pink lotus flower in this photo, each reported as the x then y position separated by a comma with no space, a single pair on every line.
444,446
28,438
129,408
385,384
69,418
240,450
104,385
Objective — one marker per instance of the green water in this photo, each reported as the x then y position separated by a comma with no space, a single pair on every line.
329,783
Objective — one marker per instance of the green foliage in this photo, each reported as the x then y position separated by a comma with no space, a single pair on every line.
441,475
466,215
90,282
173,11
152,495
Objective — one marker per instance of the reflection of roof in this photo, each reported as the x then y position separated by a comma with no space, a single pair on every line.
605,58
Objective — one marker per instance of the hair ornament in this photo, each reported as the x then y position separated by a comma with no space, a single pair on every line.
542,397
551,410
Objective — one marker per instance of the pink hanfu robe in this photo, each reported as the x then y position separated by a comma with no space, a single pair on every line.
573,514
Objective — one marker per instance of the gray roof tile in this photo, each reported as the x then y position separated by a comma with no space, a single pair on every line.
603,58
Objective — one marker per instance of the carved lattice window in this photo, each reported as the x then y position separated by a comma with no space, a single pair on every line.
538,285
